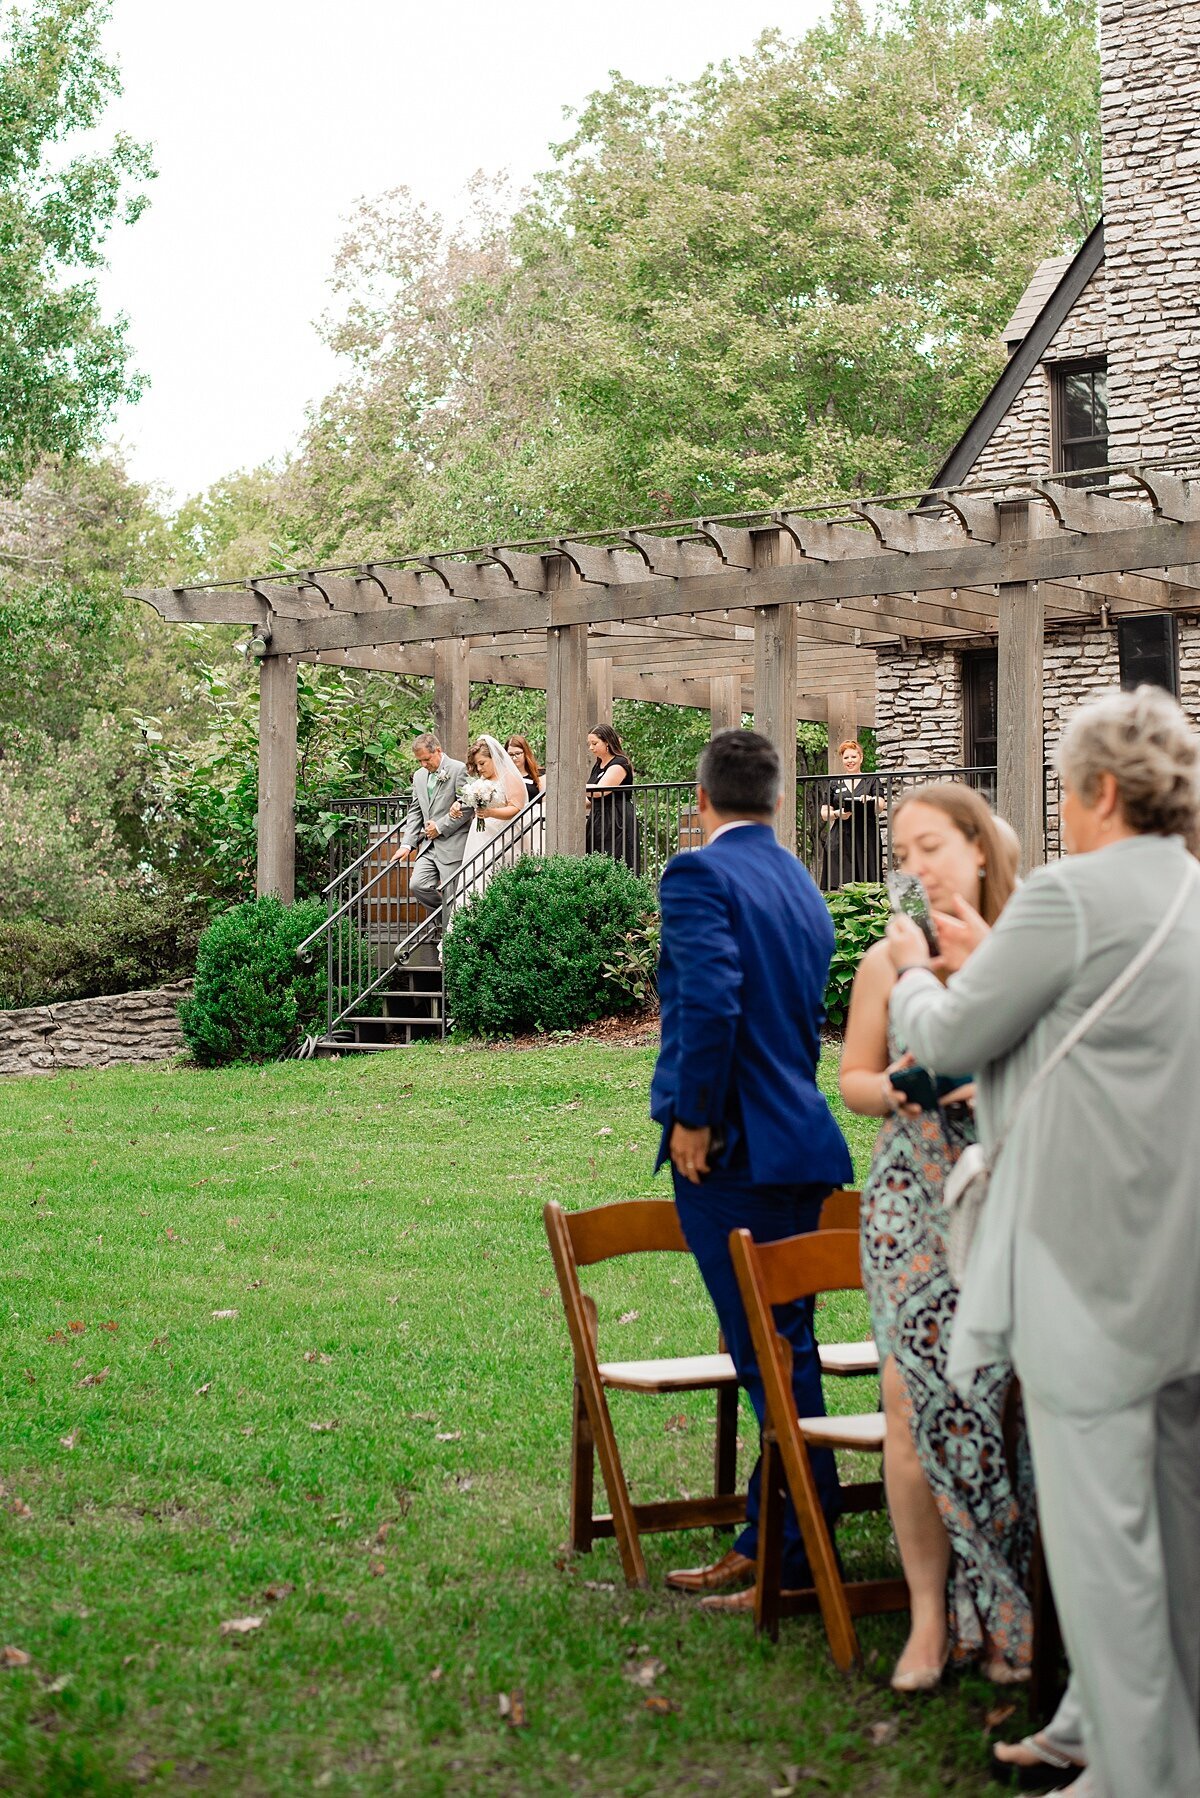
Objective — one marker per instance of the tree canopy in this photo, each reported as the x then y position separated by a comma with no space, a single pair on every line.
783,278
63,367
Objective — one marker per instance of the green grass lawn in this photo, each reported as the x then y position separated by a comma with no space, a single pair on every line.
379,1432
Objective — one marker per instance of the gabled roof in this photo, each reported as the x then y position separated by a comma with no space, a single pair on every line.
1036,339
1045,278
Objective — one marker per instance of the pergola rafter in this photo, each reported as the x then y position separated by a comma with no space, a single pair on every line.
775,611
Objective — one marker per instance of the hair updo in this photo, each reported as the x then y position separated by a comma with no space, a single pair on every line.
1145,742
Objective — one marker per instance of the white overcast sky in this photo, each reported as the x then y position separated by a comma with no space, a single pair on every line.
269,121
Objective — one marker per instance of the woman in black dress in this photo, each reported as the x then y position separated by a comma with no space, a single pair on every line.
612,822
853,846
533,835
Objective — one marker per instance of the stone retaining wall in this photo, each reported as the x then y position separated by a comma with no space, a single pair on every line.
93,1033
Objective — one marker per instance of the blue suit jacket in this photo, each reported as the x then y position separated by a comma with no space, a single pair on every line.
746,946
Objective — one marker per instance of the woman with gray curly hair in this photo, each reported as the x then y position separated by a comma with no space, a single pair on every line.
1085,1269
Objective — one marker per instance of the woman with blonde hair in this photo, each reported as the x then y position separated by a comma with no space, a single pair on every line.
1080,1014
963,1530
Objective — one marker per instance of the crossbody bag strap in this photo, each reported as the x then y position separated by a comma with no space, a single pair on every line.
1107,999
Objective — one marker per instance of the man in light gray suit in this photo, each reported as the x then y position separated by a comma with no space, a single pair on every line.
432,840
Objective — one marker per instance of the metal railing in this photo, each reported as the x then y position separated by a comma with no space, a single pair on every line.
372,926
842,830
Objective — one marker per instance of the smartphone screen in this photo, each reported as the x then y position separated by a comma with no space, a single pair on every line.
908,898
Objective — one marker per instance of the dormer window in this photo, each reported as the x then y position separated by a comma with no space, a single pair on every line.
1080,415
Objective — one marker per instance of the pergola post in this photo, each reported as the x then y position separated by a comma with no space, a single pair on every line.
566,739
1020,638
277,713
725,702
600,691
775,702
452,695
842,722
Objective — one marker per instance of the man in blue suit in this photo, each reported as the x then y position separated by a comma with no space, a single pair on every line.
746,946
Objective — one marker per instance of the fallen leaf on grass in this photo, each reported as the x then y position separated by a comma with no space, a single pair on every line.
202,1391
160,1342
435,1676
659,1706
94,1379
629,1317
547,1292
676,1424
111,1325
395,1299
58,1336
881,1734
20,1509
170,1235
77,1328
224,1313
312,1355
606,1131
278,1589
422,1417
512,1708
254,1285
61,1683
377,1569
646,1672
70,1440
241,1626
382,1533
30,1376
14,1657
998,1715
599,1585
448,1436
331,1424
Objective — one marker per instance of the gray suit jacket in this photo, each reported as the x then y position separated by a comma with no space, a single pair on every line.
1086,1265
432,797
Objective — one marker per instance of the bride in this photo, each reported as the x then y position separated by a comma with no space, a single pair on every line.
499,783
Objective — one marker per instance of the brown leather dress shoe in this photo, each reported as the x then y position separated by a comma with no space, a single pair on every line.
736,1604
731,1571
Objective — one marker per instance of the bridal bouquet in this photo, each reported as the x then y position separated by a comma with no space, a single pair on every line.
478,793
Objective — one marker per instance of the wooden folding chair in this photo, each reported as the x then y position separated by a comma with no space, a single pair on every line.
778,1273
580,1239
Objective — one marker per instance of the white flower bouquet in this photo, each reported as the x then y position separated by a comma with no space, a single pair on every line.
478,793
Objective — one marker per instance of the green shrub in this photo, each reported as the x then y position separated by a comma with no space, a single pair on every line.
253,999
115,943
635,966
860,915
531,951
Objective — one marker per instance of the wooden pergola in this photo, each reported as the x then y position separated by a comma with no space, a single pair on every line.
776,613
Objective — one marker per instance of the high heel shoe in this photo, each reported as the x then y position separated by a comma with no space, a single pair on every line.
920,1679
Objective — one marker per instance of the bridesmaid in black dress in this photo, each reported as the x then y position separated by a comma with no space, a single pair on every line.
856,805
612,821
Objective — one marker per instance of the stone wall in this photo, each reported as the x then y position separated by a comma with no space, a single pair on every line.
1020,444
1150,113
918,708
93,1033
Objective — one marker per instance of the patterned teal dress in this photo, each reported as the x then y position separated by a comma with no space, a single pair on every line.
959,1441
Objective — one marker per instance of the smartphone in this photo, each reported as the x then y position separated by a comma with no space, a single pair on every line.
908,898
927,1090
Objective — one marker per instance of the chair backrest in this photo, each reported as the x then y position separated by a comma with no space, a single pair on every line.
629,1227
840,1210
827,1260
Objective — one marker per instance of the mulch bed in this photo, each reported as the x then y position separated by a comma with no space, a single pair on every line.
629,1030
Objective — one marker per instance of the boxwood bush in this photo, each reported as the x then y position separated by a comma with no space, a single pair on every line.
254,1000
860,917
531,951
117,943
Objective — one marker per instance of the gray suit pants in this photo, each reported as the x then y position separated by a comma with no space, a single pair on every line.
423,883
1119,1499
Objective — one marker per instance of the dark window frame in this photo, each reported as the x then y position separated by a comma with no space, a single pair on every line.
972,663
1129,623
1063,446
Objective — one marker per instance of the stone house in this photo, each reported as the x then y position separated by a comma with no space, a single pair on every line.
1104,368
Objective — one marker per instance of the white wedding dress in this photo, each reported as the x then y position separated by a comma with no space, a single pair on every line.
472,880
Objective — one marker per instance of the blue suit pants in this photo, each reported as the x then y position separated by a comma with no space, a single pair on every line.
729,1200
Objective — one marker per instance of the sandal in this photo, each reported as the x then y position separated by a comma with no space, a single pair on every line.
1043,1760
